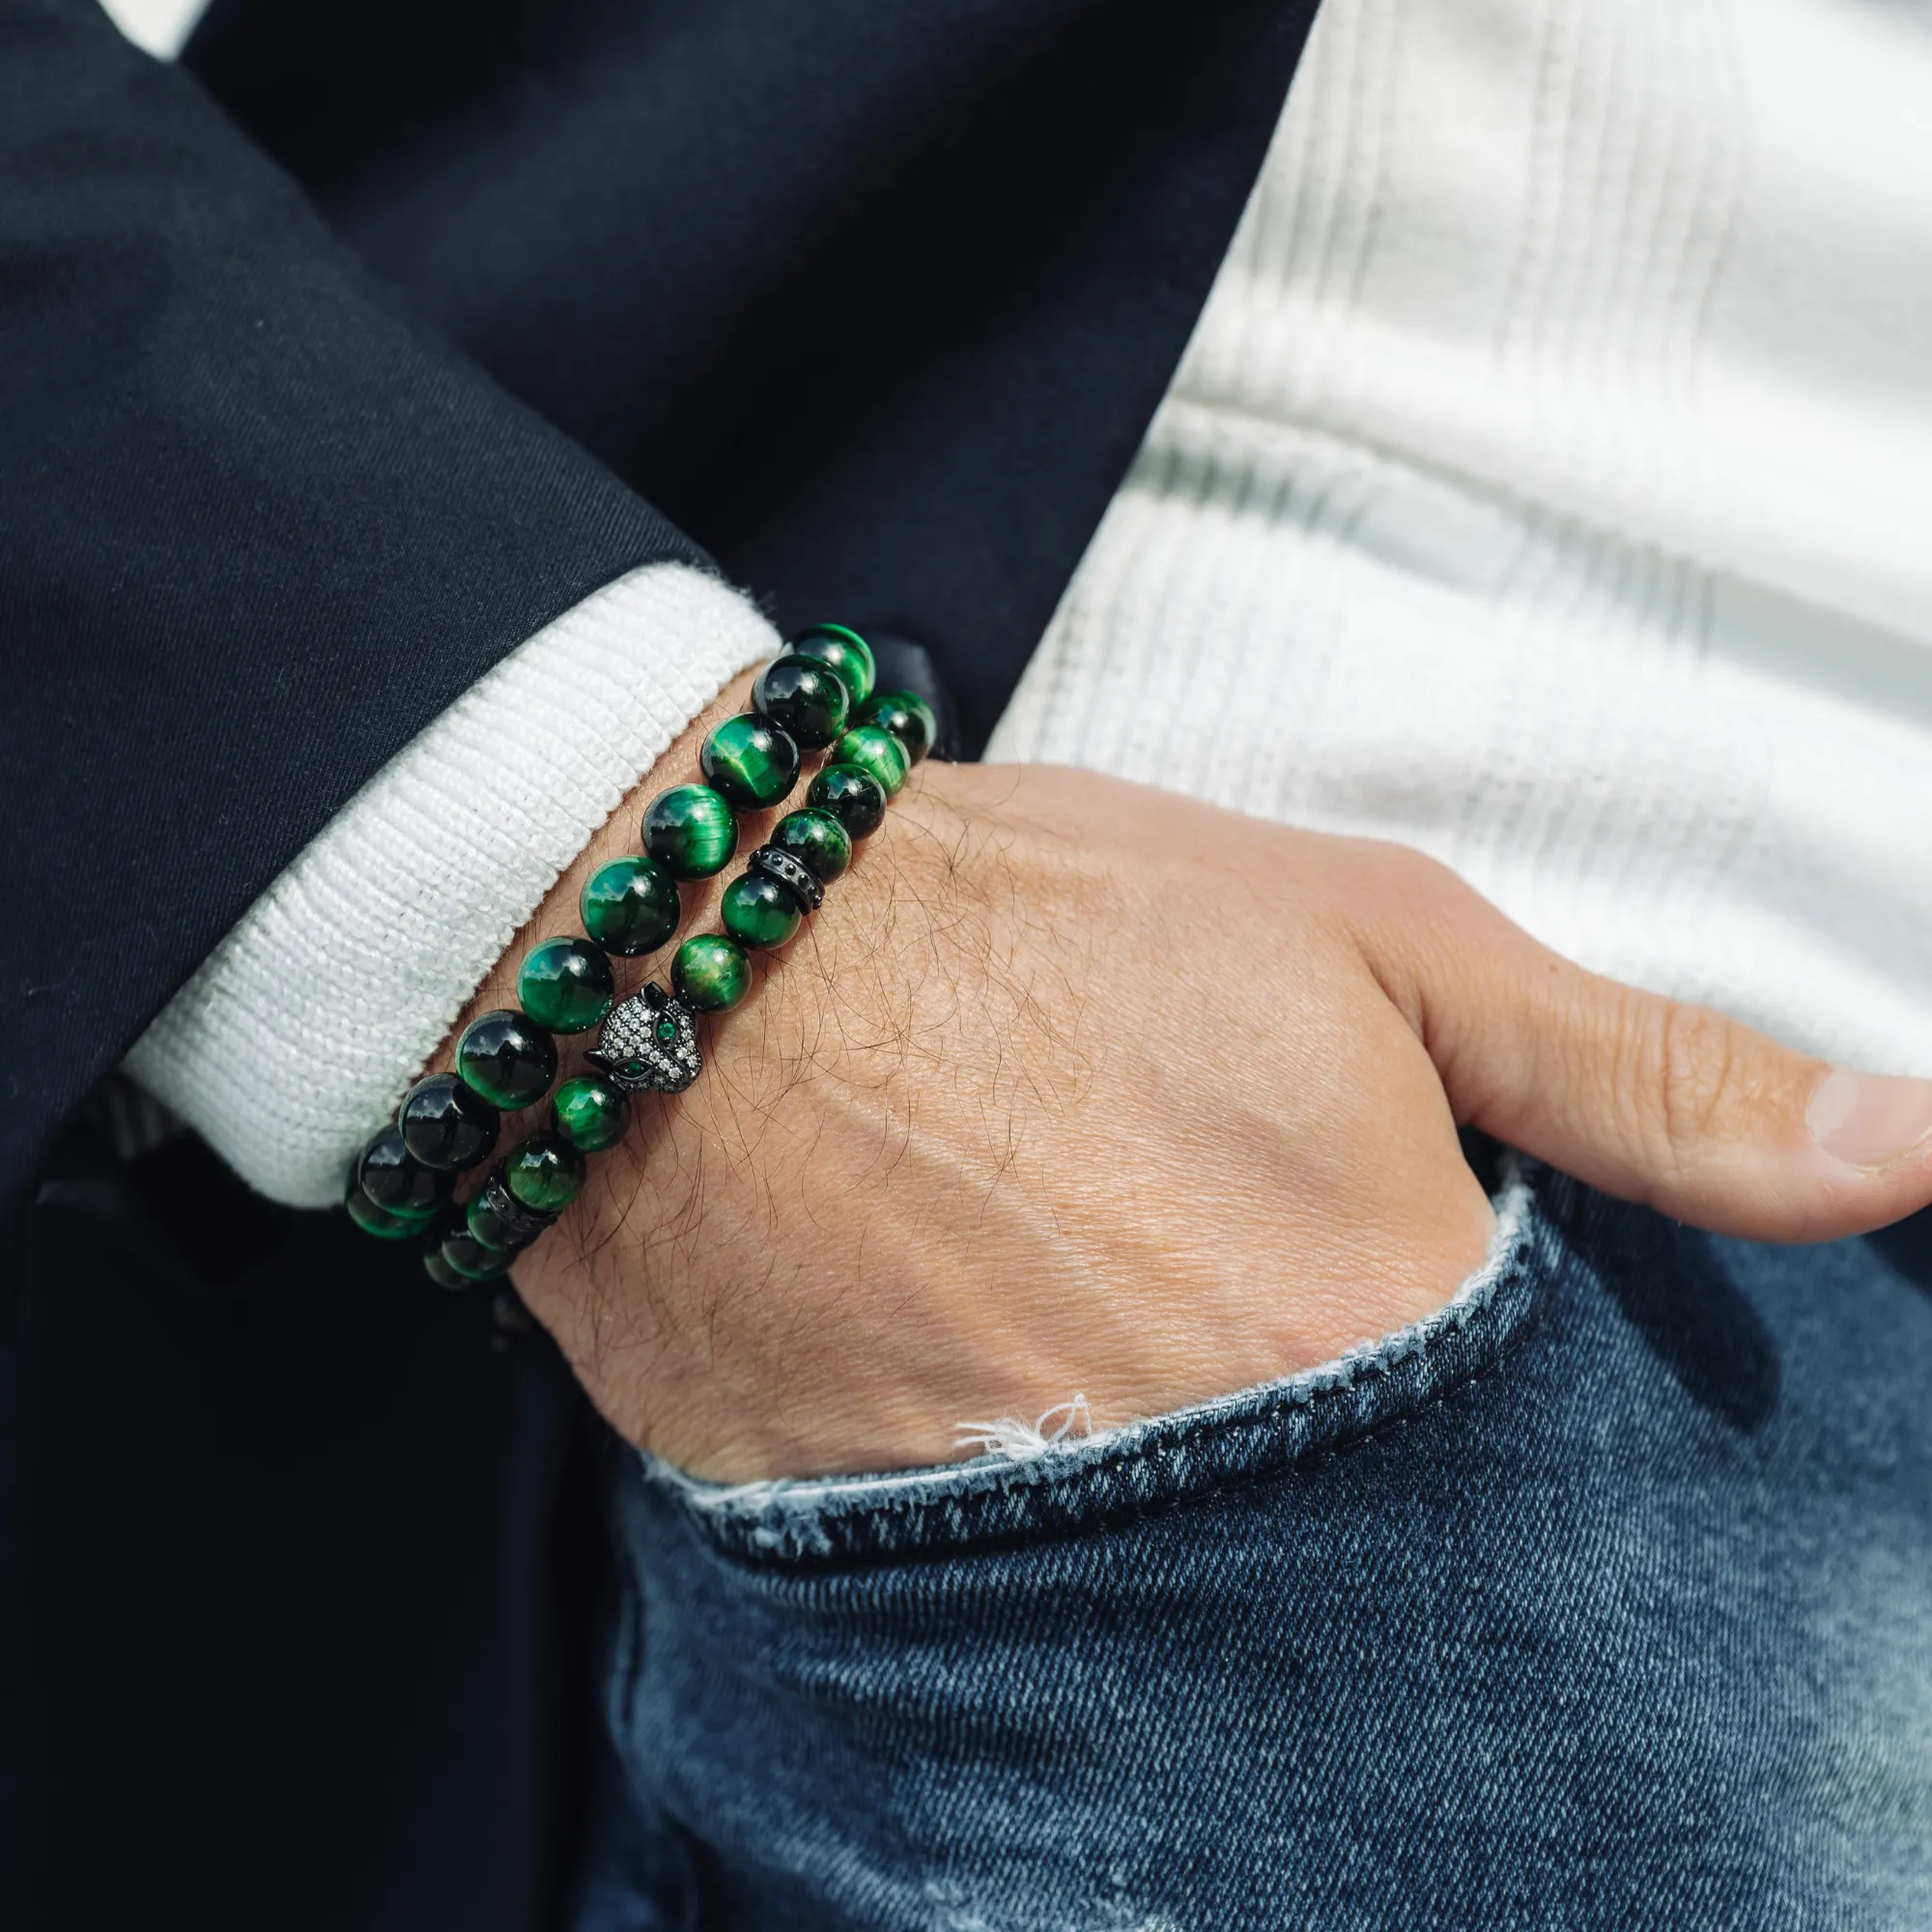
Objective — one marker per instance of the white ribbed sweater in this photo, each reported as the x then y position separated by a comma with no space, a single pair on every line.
299,1032
1546,486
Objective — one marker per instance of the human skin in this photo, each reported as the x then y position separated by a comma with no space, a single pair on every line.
1075,1087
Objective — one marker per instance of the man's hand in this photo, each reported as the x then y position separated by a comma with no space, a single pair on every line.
1074,1086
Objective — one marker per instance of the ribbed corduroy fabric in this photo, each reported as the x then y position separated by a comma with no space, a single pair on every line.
298,1035
1546,487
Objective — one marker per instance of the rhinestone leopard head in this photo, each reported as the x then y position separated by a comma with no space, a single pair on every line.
649,1041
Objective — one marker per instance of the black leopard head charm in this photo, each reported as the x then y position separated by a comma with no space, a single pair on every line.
649,1042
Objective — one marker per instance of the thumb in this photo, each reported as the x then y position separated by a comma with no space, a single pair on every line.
1650,1098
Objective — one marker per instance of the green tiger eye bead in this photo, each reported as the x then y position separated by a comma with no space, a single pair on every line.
852,795
757,911
397,1182
462,1251
439,1271
848,654
565,984
589,1113
629,906
544,1172
710,973
690,831
749,760
816,840
908,716
874,749
506,1058
806,700
446,1125
379,1221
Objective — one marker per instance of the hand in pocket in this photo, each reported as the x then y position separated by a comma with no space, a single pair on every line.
1075,1085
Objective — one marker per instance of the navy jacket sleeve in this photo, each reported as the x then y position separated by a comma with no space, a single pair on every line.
256,530
874,295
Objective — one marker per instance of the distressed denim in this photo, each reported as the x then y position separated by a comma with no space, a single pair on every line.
1602,1598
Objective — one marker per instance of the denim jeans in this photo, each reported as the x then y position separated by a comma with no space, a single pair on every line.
1602,1598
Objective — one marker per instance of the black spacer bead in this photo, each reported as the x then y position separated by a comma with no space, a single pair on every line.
795,877
522,1224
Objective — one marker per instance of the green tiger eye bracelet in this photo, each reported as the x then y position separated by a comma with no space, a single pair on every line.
820,693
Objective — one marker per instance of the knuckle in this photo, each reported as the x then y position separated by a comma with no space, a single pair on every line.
1418,909
1693,1075
1421,880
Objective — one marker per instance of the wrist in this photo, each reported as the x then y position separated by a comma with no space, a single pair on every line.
631,905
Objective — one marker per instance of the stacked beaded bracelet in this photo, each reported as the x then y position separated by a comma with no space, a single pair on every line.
818,694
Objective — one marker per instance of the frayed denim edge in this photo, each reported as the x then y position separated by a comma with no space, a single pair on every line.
886,1513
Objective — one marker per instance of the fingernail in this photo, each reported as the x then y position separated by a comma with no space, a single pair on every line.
1869,1119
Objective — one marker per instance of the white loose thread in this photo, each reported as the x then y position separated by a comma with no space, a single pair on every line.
1017,1438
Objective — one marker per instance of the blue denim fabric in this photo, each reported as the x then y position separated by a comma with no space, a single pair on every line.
1602,1599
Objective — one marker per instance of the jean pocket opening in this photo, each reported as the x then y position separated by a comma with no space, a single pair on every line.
1044,1481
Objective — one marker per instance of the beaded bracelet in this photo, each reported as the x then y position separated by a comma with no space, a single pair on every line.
818,694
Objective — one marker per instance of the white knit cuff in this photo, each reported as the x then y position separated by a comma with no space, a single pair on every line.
299,1032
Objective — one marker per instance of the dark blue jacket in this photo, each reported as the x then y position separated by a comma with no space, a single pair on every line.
333,362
